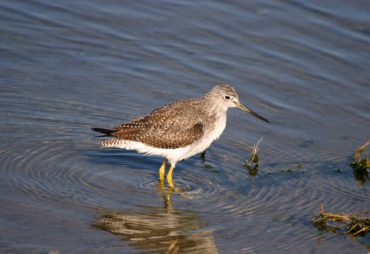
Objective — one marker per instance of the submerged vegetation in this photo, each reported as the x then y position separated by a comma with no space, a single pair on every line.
252,163
341,223
360,164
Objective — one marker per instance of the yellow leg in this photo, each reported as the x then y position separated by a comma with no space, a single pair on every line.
160,185
169,176
162,170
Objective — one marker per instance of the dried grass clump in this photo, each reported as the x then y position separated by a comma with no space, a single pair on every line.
341,223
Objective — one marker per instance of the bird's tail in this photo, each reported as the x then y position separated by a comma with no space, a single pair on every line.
120,143
107,132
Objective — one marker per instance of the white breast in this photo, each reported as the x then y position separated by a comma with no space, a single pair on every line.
210,135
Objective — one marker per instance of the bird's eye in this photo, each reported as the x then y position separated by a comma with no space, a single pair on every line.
227,97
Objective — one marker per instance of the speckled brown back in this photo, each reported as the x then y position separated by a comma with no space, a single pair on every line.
171,126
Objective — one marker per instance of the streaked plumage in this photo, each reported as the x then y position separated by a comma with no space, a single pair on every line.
179,130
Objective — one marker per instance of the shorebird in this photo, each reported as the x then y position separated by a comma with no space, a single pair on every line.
179,130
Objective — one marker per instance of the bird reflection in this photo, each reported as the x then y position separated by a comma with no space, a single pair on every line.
160,229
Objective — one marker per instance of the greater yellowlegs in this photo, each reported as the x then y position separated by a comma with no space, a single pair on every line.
179,130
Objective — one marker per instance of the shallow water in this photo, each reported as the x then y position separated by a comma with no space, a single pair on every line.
68,66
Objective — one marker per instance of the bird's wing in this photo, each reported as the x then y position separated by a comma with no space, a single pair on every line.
171,126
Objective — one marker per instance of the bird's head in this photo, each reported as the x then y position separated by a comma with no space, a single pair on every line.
227,97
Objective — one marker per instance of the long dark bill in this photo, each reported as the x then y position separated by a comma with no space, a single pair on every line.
245,109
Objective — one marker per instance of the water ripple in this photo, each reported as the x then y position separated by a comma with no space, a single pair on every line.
68,66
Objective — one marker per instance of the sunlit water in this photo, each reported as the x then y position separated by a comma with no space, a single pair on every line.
67,66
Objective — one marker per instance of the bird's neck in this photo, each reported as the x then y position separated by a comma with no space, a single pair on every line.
215,108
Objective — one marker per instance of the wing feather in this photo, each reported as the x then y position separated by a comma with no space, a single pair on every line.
171,126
